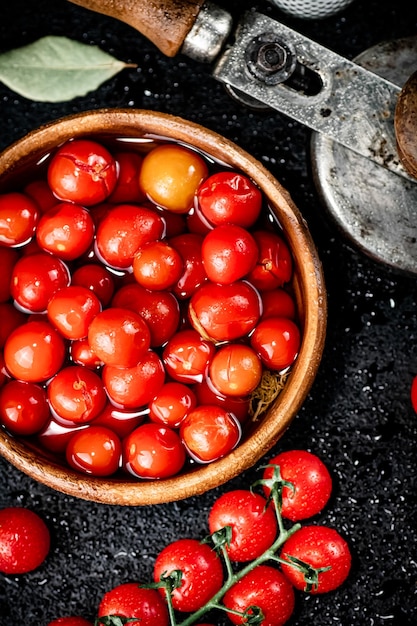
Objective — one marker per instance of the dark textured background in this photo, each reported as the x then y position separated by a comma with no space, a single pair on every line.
358,416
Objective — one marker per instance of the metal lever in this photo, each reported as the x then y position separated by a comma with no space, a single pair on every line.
339,99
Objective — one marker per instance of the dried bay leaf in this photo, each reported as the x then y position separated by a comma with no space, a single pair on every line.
57,69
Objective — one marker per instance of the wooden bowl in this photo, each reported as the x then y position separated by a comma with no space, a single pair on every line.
308,285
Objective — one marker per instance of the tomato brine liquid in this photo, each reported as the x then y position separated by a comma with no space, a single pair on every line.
148,318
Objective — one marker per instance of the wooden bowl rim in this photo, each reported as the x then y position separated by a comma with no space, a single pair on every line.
134,492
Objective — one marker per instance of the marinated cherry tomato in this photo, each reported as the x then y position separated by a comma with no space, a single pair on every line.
171,404
170,176
66,230
157,265
130,600
274,265
35,278
96,278
119,337
413,393
127,188
197,223
209,432
277,341
319,547
153,451
159,309
123,229
8,259
82,171
72,309
207,394
278,303
24,540
133,387
121,422
55,436
225,312
254,524
193,274
229,253
235,370
41,193
81,354
230,198
202,572
34,352
24,409
175,223
310,479
96,451
77,394
266,588
10,318
19,215
186,356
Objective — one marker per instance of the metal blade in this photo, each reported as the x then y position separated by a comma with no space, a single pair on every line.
350,104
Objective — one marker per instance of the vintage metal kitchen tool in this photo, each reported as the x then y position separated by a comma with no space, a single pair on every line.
350,106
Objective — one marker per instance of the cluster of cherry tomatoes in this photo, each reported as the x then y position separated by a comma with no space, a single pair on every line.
142,297
250,565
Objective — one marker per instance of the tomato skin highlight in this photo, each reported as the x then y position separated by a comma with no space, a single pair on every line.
266,588
311,481
254,525
130,600
318,546
202,572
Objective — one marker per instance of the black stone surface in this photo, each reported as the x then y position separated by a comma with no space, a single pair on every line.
357,418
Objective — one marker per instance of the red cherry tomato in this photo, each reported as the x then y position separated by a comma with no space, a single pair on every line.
19,215
278,303
133,387
72,309
123,229
266,588
82,171
35,278
209,432
55,435
66,230
153,451
254,524
81,354
413,394
77,394
8,259
121,422
311,481
159,309
277,341
70,620
96,278
24,540
10,318
235,370
202,572
229,253
171,404
34,352
157,265
207,394
170,176
95,451
119,337
274,265
24,409
186,356
319,547
230,198
41,193
130,600
225,312
127,188
193,275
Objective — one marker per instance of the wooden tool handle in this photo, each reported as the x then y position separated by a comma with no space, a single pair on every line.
164,22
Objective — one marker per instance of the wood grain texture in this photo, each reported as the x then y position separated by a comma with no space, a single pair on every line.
406,125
